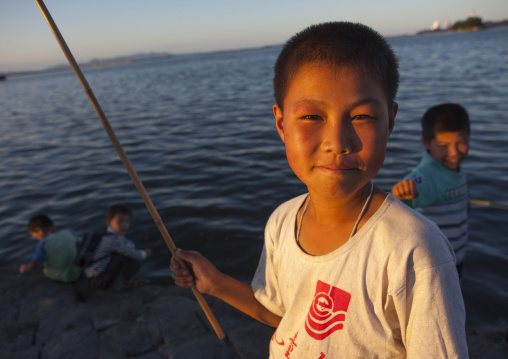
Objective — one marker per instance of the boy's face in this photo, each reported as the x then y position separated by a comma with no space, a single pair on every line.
38,233
120,224
448,148
335,127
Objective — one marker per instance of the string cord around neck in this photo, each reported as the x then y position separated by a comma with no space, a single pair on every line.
362,212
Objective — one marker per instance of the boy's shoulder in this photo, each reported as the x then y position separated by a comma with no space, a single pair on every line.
61,234
397,212
424,172
288,208
408,232
391,210
108,233
435,183
397,230
282,220
429,170
291,203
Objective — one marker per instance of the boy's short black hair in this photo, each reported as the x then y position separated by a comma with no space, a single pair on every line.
39,221
117,208
338,44
447,117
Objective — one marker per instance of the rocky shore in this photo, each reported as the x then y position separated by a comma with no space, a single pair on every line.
44,319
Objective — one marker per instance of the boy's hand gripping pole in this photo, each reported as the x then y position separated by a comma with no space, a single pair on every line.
126,161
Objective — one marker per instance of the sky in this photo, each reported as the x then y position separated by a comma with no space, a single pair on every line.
101,29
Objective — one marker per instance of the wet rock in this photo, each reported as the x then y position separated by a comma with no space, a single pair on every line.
46,319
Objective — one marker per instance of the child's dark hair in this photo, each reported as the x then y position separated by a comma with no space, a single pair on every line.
447,117
338,44
39,221
117,208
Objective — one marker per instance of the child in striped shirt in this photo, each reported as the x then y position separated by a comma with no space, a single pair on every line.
437,187
116,254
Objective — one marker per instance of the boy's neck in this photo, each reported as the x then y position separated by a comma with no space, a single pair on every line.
325,209
329,224
111,230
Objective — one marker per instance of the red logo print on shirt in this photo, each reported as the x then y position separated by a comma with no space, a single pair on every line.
327,311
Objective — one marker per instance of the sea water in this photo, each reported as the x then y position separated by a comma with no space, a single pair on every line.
200,132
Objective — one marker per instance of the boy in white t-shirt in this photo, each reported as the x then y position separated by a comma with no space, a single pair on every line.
347,270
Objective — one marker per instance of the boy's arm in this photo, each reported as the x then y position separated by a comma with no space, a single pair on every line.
209,280
405,190
29,266
435,314
125,246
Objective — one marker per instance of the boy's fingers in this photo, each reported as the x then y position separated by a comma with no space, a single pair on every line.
178,258
178,270
414,191
180,275
184,282
405,189
188,256
400,190
410,189
174,265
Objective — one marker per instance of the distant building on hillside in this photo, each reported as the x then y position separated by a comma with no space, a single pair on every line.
435,26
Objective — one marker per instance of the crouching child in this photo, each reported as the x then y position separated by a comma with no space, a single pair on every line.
116,254
56,250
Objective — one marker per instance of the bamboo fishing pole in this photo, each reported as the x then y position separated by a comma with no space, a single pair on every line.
489,203
123,156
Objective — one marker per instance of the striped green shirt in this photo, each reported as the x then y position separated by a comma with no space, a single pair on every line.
443,197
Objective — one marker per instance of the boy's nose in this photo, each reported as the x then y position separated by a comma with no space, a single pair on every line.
337,138
454,150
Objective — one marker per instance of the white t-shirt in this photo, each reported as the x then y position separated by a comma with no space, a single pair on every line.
391,291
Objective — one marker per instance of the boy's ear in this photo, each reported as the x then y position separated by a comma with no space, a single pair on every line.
425,143
393,114
279,120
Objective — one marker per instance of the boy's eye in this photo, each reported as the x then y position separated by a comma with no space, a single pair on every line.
311,117
363,117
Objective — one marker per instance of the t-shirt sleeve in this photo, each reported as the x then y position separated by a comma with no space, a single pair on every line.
265,282
39,254
128,248
432,313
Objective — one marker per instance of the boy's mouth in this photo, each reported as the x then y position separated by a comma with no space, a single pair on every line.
455,162
336,169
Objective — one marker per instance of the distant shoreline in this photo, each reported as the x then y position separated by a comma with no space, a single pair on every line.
93,64
487,25
123,61
130,59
